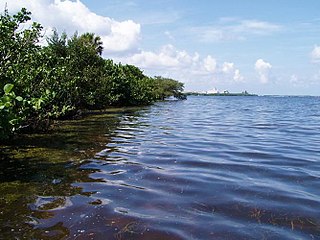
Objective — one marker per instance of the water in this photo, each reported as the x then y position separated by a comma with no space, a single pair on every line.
205,168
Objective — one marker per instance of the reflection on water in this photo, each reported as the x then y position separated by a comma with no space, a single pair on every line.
205,168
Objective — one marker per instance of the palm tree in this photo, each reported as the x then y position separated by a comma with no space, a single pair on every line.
91,40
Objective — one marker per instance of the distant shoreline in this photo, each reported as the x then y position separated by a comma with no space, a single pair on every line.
245,95
227,94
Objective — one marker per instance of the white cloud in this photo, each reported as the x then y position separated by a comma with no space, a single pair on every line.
210,64
214,34
197,72
169,35
71,16
256,27
237,77
234,29
263,69
227,67
229,70
315,54
298,81
167,57
294,79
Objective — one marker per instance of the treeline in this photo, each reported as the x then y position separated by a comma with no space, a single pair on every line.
68,74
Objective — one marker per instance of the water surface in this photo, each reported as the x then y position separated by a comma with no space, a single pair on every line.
204,168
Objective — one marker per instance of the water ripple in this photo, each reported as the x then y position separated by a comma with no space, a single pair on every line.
217,168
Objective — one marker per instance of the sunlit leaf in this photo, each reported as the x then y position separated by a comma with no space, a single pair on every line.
7,88
20,99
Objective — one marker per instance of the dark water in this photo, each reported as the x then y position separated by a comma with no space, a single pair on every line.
205,168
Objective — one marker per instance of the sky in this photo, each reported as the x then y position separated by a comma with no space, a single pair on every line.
263,47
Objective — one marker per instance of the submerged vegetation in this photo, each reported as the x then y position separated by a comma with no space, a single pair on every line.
41,83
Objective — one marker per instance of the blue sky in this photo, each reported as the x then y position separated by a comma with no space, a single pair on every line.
264,47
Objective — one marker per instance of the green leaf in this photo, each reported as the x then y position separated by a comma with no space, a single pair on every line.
7,104
5,99
14,122
7,88
19,99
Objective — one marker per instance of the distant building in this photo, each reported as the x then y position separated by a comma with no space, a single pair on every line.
213,91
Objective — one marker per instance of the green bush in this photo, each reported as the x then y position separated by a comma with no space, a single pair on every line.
10,116
67,75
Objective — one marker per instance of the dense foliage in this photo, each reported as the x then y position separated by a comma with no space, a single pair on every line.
40,83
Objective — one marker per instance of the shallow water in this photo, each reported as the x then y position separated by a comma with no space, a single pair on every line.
204,168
